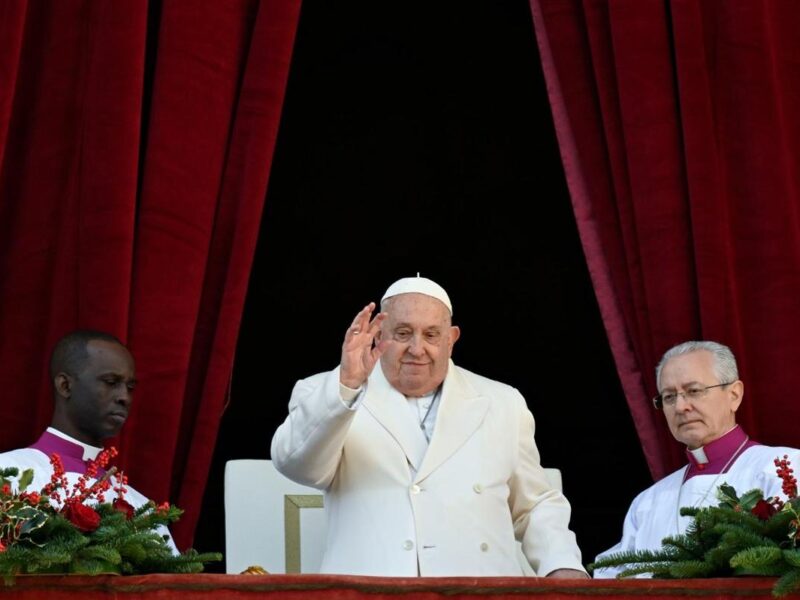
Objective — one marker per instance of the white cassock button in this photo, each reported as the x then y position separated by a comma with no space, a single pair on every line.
408,545
484,547
415,489
478,488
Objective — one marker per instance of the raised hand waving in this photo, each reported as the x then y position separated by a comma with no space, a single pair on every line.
359,350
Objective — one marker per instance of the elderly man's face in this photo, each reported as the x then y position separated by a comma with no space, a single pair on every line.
698,422
101,394
422,339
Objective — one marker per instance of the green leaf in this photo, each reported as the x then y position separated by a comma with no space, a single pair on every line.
726,494
750,499
25,480
33,523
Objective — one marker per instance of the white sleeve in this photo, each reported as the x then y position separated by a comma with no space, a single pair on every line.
540,512
307,447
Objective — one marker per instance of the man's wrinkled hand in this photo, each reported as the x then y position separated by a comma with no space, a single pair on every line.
359,350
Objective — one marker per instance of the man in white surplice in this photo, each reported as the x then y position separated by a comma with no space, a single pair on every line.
700,392
428,469
93,377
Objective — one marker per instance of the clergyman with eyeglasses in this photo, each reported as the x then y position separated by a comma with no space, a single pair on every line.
699,394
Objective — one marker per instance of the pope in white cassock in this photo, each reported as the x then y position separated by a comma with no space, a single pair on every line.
700,392
428,469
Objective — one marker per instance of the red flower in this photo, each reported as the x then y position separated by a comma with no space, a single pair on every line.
763,510
84,518
2,547
122,506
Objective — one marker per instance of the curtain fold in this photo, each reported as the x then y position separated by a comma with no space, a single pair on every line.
164,263
12,19
677,123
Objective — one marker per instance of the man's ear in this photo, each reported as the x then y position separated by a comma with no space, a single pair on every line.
736,392
455,333
63,385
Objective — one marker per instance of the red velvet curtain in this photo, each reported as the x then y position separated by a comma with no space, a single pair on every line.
679,129
142,227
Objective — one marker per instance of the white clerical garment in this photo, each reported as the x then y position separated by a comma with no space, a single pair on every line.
400,506
654,514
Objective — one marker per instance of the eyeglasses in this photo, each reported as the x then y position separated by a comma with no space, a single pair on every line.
693,393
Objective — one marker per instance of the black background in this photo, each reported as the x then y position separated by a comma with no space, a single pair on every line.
418,138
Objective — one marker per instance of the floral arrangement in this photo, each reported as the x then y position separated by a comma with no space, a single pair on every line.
62,529
742,535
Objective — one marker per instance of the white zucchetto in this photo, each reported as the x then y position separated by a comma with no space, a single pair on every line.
419,285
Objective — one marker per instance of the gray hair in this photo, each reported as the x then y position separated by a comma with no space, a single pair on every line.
724,361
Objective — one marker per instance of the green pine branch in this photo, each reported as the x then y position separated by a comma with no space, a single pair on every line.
692,569
787,583
118,545
684,547
640,557
721,541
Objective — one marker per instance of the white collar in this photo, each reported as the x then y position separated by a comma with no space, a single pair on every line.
699,455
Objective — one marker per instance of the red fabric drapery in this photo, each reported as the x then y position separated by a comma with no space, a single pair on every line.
678,125
145,228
